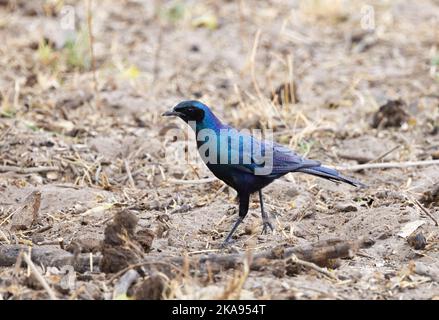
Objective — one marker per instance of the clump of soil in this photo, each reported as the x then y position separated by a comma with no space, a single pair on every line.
418,241
27,214
431,197
122,246
391,114
151,288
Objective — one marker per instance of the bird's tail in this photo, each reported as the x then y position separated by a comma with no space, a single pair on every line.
332,175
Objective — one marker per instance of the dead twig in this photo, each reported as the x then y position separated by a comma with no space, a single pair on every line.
415,201
21,170
319,253
313,266
388,165
200,181
28,170
360,159
364,159
39,277
385,154
130,176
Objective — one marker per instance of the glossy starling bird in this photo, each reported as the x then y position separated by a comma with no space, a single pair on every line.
243,162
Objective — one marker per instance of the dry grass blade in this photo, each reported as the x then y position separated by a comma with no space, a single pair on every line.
130,176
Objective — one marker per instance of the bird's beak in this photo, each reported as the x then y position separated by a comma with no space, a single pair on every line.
171,113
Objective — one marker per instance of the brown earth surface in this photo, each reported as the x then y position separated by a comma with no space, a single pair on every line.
85,131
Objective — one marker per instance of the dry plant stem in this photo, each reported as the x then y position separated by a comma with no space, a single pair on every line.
130,176
385,154
359,159
92,54
313,266
415,201
252,64
28,170
318,253
388,165
9,217
365,160
200,181
39,277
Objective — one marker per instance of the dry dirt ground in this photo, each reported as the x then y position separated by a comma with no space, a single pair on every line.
83,131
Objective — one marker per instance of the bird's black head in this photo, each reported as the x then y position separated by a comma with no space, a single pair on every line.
189,111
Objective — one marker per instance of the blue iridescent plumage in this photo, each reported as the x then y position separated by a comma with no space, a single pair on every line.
244,162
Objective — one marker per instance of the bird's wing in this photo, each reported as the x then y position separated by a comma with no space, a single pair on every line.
286,160
265,154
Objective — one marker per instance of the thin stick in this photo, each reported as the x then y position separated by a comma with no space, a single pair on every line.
130,176
415,201
384,154
203,251
28,170
200,181
39,277
313,266
387,165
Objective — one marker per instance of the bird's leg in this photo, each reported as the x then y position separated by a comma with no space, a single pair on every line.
244,200
265,220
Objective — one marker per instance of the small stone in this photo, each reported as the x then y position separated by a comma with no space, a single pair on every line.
52,175
36,179
385,235
250,229
418,241
151,289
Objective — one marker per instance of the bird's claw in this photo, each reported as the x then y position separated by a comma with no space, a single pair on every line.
227,243
267,224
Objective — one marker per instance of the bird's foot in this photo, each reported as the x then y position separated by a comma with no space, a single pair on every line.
227,243
266,224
